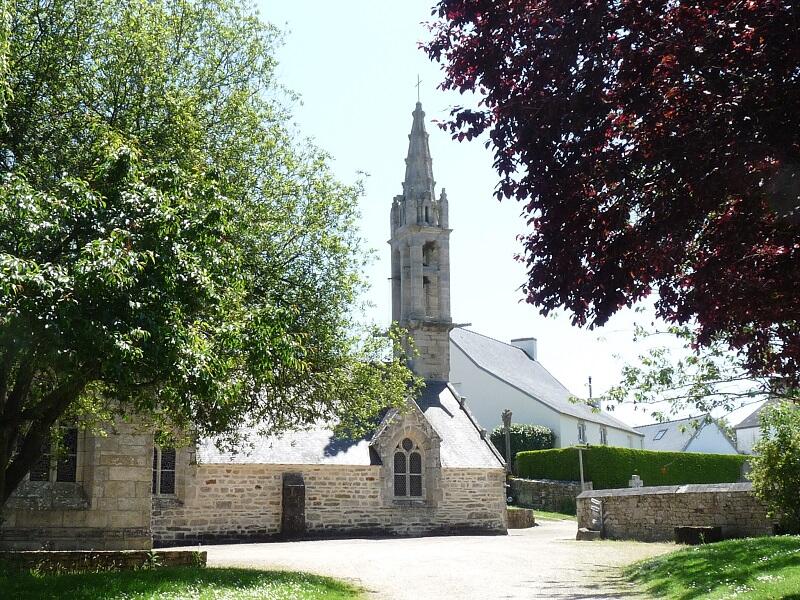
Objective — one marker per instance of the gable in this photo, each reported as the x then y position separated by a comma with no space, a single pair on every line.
516,369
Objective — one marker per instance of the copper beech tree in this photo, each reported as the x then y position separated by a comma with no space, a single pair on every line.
655,147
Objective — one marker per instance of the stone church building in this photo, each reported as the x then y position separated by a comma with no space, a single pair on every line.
428,469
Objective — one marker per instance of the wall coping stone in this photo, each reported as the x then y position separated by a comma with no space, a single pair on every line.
695,488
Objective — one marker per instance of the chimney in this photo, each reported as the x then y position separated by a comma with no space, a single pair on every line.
527,345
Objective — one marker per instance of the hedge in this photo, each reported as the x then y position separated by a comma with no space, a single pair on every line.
523,437
610,467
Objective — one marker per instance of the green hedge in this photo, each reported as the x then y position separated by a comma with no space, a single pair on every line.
523,437
609,467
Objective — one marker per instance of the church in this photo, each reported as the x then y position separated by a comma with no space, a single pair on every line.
429,469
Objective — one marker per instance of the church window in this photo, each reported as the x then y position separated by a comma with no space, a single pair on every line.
163,471
604,436
407,470
427,215
59,460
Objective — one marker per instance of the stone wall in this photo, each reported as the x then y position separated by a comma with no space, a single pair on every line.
243,502
652,513
109,560
547,494
107,508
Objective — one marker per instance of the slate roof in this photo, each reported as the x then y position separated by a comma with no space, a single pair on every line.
752,420
511,365
677,434
461,443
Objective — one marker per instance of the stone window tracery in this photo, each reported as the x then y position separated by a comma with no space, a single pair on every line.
407,470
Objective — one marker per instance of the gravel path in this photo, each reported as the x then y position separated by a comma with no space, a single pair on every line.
542,562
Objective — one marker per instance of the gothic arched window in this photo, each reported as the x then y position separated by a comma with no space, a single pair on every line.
407,470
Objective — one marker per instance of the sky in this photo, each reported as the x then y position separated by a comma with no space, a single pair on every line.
355,65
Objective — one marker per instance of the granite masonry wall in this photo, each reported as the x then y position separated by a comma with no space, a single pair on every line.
547,494
106,508
651,513
243,502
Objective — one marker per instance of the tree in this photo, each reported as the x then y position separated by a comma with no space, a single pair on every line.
699,379
524,437
775,468
167,248
655,147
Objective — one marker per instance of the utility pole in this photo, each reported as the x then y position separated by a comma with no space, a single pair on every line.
506,416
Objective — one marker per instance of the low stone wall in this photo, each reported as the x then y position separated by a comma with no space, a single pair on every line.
651,513
225,503
547,494
119,560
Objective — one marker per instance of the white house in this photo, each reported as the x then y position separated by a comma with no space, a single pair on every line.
748,431
494,376
694,434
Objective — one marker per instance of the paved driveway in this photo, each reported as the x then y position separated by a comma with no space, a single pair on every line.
543,562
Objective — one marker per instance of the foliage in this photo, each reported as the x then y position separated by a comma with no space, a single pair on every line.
611,467
696,378
544,515
167,248
775,468
655,148
177,583
756,569
523,437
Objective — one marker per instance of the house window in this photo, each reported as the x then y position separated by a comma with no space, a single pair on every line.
660,434
58,463
407,470
581,432
604,436
163,471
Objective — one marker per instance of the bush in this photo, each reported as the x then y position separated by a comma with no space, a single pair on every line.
776,465
524,437
609,467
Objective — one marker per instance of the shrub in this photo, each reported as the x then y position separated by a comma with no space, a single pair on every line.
610,467
776,465
524,437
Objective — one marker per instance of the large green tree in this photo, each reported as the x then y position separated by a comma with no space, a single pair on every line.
167,247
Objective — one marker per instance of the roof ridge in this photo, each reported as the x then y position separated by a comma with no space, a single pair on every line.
675,420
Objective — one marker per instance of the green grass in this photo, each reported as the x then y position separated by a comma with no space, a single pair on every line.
755,569
175,583
552,516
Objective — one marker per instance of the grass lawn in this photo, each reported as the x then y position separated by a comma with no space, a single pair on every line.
553,516
175,583
754,568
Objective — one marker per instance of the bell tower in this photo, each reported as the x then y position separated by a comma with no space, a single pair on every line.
420,244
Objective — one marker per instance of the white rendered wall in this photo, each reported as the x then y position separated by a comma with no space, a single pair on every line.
746,439
487,397
615,437
711,439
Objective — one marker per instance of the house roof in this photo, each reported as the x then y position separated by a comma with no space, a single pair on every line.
676,436
752,420
461,442
511,365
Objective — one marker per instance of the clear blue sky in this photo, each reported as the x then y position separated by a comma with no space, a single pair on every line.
355,65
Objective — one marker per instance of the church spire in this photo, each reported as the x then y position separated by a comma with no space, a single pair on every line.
421,259
418,183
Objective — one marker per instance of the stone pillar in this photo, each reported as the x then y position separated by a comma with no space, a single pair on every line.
404,281
444,279
417,291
